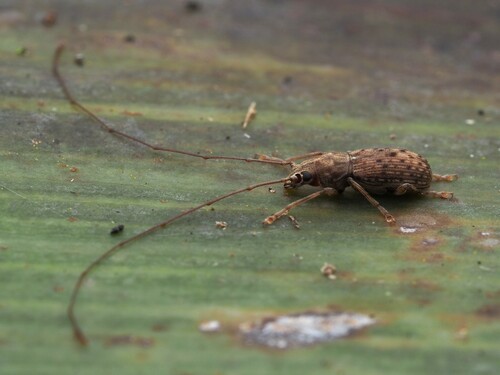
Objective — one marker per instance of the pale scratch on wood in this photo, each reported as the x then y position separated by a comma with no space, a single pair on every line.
12,191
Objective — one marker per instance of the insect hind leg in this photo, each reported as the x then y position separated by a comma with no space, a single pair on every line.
444,177
438,194
410,188
441,194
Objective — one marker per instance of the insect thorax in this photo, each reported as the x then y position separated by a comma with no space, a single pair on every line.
329,170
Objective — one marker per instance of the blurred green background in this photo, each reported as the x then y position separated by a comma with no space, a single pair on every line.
326,75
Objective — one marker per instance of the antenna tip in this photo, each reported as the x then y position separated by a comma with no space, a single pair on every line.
80,337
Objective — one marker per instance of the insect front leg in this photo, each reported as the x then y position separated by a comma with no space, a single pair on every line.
291,160
283,212
270,159
306,156
388,217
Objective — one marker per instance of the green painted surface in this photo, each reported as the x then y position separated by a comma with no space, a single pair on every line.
358,73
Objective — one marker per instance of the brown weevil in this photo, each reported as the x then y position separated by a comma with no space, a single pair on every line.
368,171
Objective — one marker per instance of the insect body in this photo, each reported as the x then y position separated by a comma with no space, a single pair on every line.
368,171
376,170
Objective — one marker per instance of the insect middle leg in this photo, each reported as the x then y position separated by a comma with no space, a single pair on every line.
388,217
283,212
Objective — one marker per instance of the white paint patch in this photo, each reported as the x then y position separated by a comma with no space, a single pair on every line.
304,329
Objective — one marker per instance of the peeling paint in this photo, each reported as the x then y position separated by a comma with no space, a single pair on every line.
303,329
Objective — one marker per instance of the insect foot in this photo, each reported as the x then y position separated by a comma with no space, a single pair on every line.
445,177
439,194
283,212
390,219
271,219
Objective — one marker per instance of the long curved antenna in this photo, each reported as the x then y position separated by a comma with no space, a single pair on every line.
69,96
77,331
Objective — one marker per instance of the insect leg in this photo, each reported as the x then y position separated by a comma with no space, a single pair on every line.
271,158
438,194
441,194
388,217
305,156
289,160
272,218
444,177
405,188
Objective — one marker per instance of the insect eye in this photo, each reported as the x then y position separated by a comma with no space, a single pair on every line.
306,177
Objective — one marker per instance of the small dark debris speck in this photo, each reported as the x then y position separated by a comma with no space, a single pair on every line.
49,18
129,38
193,6
287,80
480,112
118,229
